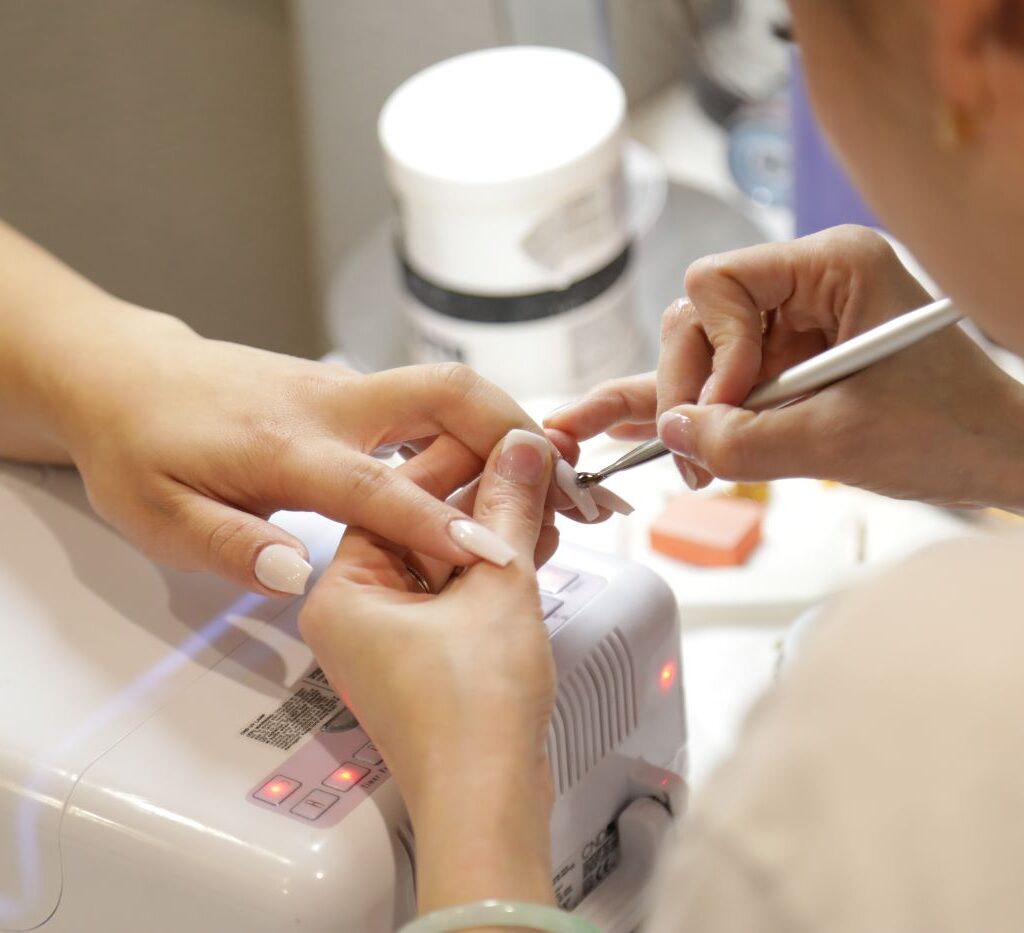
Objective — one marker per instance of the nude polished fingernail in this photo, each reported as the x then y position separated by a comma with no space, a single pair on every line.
609,500
688,474
677,433
583,499
705,393
523,457
484,543
282,568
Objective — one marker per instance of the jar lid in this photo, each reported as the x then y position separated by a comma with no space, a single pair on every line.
510,121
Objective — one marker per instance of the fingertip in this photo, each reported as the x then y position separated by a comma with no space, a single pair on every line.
565,443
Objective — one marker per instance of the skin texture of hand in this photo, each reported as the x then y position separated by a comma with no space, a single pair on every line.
188,445
937,422
455,689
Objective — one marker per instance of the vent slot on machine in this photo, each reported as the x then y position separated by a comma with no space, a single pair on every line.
595,711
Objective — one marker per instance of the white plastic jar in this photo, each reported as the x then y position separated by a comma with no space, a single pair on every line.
507,171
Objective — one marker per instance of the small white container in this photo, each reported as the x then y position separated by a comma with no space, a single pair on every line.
507,170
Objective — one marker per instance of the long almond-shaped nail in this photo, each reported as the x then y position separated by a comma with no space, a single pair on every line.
705,392
484,543
608,500
283,569
688,474
565,476
524,457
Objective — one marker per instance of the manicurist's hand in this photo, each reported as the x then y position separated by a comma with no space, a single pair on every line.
188,445
455,687
937,422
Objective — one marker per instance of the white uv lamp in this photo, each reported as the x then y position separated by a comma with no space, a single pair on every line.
171,758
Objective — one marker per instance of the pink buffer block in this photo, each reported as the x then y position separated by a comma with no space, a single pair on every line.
718,532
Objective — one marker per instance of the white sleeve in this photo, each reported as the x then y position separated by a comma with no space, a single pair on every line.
879,786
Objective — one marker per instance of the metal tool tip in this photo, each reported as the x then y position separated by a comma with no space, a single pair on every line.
586,480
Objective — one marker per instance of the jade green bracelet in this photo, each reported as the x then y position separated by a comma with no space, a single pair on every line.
499,914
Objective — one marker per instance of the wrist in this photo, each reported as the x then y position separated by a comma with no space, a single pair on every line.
99,358
482,831
474,766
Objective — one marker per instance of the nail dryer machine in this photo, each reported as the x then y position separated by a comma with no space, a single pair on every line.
172,759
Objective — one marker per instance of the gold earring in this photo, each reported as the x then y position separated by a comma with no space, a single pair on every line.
954,127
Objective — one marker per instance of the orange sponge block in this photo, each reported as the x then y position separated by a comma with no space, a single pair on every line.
710,532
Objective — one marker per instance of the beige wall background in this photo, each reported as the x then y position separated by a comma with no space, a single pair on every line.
155,145
215,158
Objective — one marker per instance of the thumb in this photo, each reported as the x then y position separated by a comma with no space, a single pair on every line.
240,547
511,496
738,444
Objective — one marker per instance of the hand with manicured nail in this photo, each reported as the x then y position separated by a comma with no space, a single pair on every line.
937,422
188,445
455,689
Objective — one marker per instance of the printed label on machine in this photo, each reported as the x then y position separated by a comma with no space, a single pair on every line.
577,876
298,715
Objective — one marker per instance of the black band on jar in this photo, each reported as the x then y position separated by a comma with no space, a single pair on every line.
510,309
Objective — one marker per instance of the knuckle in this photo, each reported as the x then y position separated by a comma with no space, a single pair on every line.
227,540
366,480
702,271
727,449
507,499
311,387
318,610
609,389
273,440
863,244
457,380
314,619
274,459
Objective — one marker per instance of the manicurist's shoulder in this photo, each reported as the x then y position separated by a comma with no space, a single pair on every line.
884,763
953,605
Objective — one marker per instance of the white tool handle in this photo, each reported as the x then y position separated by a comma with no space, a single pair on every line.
853,355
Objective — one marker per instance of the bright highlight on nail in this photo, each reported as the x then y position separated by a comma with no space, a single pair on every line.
281,568
583,499
484,543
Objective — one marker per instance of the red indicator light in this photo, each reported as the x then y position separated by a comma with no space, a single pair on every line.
667,675
346,777
277,789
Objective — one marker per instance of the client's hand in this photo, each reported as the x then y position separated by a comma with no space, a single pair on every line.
937,421
456,689
188,445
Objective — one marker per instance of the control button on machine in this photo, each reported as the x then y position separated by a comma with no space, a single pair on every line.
554,579
277,789
368,755
341,721
315,803
549,604
346,777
